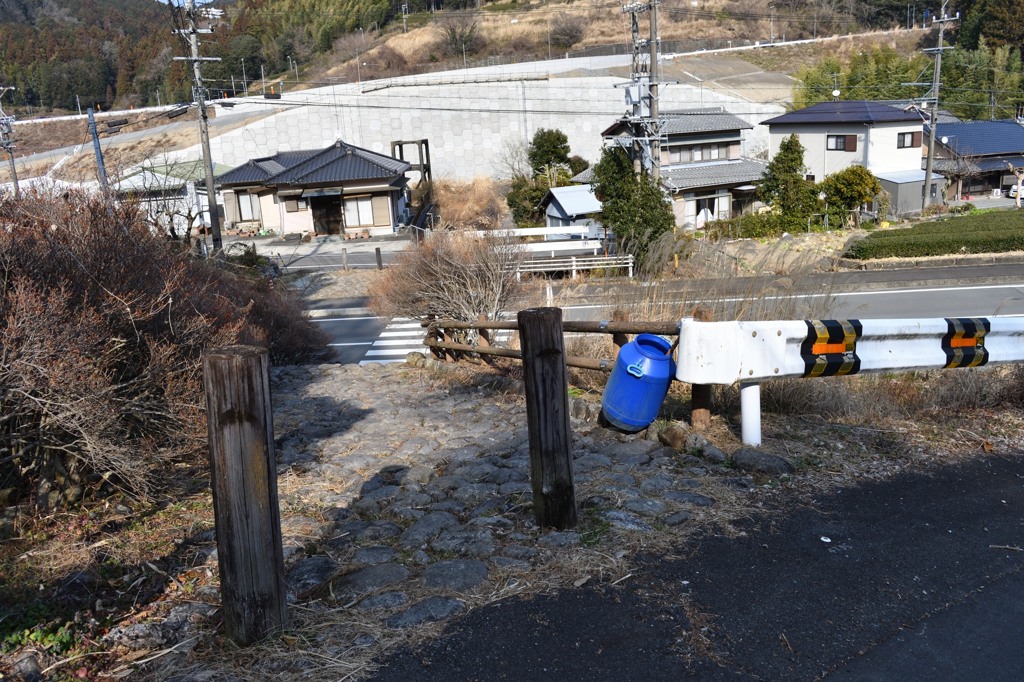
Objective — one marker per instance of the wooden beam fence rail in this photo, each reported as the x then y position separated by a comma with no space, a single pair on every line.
617,328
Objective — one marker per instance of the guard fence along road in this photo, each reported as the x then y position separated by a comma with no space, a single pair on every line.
753,352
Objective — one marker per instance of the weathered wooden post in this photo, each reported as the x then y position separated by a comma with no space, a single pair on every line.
700,394
547,416
618,338
248,524
380,261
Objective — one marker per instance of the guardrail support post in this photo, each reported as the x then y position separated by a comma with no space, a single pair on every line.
244,473
547,416
750,413
630,267
700,394
574,267
344,259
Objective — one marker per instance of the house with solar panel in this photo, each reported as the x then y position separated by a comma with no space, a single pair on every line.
341,190
885,139
976,156
703,168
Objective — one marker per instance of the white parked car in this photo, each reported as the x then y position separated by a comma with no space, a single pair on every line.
1013,191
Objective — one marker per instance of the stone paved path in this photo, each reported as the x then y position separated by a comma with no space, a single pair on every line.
406,498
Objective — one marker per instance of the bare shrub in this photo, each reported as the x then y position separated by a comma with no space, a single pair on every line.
459,34
450,276
102,324
567,30
476,205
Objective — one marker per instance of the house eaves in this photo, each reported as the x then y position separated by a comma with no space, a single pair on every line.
688,121
341,163
846,111
712,174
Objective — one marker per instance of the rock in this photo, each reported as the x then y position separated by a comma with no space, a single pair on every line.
713,454
26,667
749,459
373,555
457,574
429,610
474,542
645,506
695,499
674,436
678,518
626,521
381,530
659,481
370,578
696,443
559,539
385,600
310,573
425,529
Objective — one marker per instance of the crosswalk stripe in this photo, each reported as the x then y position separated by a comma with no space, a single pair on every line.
403,336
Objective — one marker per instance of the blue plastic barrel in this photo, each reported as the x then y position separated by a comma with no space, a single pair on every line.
639,381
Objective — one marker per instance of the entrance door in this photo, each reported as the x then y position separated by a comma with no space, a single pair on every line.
326,214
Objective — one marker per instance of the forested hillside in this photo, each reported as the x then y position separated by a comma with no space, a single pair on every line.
120,52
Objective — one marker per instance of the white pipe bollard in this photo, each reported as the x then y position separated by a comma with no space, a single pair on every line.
550,295
750,413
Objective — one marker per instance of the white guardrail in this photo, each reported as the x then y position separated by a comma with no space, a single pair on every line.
753,352
573,264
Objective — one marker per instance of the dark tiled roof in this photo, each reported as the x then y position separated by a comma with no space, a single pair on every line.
982,138
258,171
712,174
338,163
341,162
858,111
688,121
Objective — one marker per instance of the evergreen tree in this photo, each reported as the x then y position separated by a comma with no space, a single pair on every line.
634,208
784,186
548,147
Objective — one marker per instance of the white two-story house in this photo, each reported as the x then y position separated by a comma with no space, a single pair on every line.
885,139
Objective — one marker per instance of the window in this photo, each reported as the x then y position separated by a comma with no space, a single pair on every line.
841,143
248,207
809,178
358,212
904,140
293,205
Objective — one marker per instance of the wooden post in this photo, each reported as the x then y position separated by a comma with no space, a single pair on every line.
380,261
618,338
344,259
547,417
485,335
700,394
248,524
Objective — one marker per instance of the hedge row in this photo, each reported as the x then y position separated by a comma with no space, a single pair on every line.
996,221
910,245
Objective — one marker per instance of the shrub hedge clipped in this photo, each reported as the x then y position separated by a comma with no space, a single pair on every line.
983,233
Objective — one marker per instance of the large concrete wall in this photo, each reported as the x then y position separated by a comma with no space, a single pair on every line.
469,116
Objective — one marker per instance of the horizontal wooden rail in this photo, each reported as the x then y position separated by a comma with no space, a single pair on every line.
602,327
570,360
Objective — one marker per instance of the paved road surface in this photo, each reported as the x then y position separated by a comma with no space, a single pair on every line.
916,578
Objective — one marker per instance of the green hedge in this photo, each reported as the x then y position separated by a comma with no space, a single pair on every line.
989,232
911,245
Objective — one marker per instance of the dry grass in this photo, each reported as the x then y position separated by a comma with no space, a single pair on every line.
475,205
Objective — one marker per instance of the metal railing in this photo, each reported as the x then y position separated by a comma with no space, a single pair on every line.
574,264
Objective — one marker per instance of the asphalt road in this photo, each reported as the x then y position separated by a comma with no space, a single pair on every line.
920,577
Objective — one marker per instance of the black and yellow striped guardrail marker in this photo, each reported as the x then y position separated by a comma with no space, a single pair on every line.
830,348
964,342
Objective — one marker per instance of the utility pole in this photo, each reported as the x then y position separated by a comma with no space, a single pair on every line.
101,171
204,125
6,141
405,16
926,190
642,93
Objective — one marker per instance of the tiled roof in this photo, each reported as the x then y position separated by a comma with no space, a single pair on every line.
982,138
341,162
688,121
712,174
846,111
338,163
